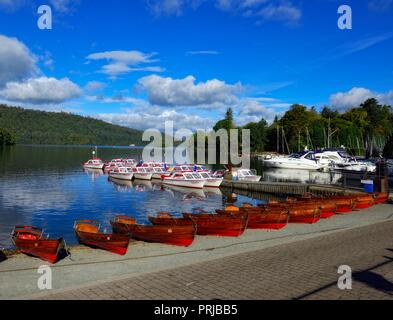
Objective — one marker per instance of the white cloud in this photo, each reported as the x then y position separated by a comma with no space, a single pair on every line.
265,10
122,62
11,5
356,96
16,61
41,90
285,11
251,110
184,92
95,86
155,117
202,52
63,6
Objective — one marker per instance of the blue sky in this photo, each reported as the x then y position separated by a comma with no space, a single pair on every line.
138,63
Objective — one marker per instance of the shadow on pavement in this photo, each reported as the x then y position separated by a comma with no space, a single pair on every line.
2,256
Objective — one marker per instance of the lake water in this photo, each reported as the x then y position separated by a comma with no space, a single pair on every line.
46,186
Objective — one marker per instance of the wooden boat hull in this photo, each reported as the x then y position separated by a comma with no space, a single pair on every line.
178,235
270,220
260,218
219,225
364,201
114,243
328,208
307,215
47,250
381,197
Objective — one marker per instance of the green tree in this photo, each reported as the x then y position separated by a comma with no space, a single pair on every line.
257,135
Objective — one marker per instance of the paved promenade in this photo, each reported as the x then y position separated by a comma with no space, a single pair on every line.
304,269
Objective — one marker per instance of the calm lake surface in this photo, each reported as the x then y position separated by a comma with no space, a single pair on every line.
46,186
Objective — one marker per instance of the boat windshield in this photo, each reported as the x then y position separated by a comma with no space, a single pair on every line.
297,155
205,175
197,176
189,176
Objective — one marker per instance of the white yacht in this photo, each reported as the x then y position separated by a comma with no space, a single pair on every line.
340,160
301,161
211,180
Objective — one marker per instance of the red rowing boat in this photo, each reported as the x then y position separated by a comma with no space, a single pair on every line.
88,233
328,208
227,225
364,201
299,212
260,218
165,218
29,240
381,197
163,231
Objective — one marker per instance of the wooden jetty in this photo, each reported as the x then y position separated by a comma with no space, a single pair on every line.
284,188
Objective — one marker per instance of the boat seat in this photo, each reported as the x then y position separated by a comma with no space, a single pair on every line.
125,220
87,228
232,209
166,215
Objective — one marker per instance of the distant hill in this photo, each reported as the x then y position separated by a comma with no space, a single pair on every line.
40,127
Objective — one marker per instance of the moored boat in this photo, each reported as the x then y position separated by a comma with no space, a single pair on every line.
229,225
30,240
185,179
364,201
122,173
381,197
143,173
160,173
328,208
260,218
94,164
166,233
166,218
88,233
304,214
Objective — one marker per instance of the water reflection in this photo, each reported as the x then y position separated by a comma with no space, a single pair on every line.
302,176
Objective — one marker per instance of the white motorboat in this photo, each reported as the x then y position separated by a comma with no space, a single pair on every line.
211,180
122,173
186,180
94,164
302,176
143,173
301,161
160,173
130,163
246,175
340,160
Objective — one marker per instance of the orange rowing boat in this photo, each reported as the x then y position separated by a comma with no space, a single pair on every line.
227,225
381,197
163,231
30,240
259,218
88,233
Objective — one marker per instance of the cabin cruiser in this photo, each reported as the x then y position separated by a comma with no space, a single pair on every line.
185,179
302,176
122,173
109,166
242,174
211,180
130,163
143,173
94,164
340,160
301,161
160,173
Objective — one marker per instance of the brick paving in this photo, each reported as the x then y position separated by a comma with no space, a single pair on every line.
301,270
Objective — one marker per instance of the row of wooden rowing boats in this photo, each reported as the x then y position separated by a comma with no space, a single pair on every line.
181,231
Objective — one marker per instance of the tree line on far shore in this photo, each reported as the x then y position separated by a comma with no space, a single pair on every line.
364,130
